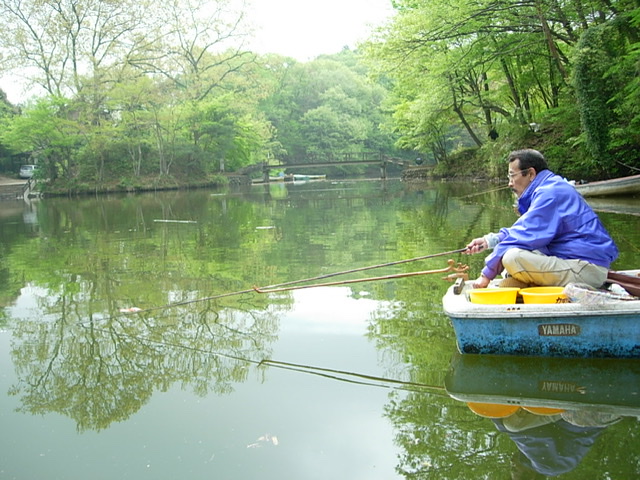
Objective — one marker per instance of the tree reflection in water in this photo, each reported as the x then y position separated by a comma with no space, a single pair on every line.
103,369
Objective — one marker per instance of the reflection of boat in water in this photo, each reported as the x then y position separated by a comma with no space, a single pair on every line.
610,328
621,205
306,178
615,186
608,385
553,409
292,178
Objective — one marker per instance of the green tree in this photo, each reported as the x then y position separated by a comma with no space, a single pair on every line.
327,107
129,73
625,100
49,131
7,112
502,66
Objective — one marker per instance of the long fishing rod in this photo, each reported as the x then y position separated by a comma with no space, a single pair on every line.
450,268
293,282
485,191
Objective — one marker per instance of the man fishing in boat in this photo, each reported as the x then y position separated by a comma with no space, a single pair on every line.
558,238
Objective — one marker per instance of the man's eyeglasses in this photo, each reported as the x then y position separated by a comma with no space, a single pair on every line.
512,175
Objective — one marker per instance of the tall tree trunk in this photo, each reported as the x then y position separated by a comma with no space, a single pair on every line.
487,111
566,24
458,109
551,45
515,95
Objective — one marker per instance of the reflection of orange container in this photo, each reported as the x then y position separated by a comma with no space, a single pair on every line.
493,296
492,410
497,410
544,410
543,295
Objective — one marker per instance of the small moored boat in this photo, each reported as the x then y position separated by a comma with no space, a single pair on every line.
607,327
616,186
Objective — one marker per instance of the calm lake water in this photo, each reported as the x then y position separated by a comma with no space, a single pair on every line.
133,345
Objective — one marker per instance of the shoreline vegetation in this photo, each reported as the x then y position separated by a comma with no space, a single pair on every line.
454,87
461,170
414,174
485,164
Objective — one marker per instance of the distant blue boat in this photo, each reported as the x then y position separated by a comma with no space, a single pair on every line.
610,329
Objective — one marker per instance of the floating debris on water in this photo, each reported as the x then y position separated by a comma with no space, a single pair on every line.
157,220
266,439
130,310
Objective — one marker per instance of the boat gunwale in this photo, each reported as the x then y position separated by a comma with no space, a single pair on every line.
611,181
460,307
611,187
519,310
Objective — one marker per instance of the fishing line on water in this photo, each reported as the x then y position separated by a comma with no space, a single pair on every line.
329,373
296,367
451,268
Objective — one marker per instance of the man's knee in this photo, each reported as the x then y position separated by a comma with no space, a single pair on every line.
511,260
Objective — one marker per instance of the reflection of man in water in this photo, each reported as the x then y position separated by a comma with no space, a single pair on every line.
552,444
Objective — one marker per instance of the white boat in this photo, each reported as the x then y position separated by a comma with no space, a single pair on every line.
614,187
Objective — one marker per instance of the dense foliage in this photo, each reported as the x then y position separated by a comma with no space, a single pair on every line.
559,75
153,94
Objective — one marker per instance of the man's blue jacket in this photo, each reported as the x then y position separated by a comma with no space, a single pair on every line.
558,222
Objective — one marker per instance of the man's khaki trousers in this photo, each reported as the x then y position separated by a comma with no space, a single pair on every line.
531,268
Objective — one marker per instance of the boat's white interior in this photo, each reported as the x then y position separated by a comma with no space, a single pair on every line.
460,306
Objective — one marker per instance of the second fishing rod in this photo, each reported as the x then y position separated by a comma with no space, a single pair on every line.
267,288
